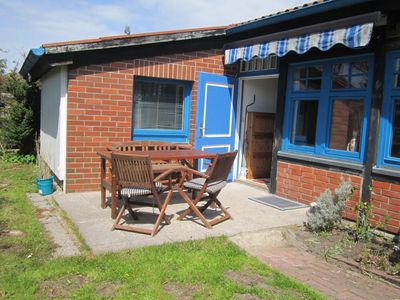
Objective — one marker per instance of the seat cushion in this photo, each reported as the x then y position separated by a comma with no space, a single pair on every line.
197,184
130,191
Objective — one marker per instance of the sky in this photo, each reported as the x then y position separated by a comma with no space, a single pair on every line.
29,24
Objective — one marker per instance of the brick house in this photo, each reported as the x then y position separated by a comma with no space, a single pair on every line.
308,96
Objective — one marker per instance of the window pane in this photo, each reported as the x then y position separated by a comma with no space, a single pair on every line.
397,73
359,82
340,82
299,85
395,151
315,71
341,69
300,73
360,67
307,78
314,84
305,122
158,105
346,124
346,75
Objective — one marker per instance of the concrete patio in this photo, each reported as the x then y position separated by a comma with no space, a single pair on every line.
94,223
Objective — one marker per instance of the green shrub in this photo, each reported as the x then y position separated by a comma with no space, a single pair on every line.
16,126
326,213
362,229
18,158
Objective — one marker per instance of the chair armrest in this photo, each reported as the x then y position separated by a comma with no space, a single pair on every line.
104,154
195,172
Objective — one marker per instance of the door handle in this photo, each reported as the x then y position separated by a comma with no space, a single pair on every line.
201,128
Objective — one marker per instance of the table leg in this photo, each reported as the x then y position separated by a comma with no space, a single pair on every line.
102,178
195,167
114,198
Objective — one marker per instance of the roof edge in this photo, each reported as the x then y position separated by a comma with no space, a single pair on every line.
315,8
31,59
135,35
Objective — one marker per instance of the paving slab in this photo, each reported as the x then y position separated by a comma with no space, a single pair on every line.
66,245
95,223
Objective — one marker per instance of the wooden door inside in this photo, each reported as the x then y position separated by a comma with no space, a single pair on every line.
259,140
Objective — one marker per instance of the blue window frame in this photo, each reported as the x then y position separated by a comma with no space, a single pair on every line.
328,106
389,135
161,109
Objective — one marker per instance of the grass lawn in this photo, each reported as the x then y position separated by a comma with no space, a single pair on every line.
209,269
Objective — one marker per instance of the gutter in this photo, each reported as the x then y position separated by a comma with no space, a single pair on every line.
326,6
33,56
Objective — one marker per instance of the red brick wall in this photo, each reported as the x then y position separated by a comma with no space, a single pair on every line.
305,184
100,106
385,200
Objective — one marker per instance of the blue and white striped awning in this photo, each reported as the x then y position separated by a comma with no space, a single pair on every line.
355,36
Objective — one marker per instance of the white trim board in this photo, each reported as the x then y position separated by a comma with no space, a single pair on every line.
229,134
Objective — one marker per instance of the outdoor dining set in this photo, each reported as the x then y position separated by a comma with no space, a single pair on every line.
138,172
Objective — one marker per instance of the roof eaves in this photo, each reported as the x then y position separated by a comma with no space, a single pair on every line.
306,10
134,39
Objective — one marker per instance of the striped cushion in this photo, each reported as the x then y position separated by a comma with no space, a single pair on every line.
197,184
139,191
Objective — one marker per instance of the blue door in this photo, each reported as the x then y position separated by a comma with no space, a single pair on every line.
216,115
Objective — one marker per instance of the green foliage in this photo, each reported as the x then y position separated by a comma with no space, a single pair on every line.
16,127
326,214
15,85
18,158
362,229
19,112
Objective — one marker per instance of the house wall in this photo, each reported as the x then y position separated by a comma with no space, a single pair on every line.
100,106
53,120
385,200
303,184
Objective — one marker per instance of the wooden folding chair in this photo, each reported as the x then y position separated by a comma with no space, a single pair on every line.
134,175
211,182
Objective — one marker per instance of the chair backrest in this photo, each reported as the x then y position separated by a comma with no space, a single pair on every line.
132,170
148,146
221,166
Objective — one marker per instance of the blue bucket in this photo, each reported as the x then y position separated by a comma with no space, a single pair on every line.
45,186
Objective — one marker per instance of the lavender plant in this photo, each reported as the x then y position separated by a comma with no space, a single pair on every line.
326,212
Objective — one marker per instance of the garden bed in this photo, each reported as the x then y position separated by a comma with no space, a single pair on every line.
378,254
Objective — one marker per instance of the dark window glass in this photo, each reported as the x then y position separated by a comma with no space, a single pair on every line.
307,78
300,73
358,82
340,82
314,84
315,71
360,67
395,151
397,73
305,122
158,105
340,69
346,124
350,75
300,85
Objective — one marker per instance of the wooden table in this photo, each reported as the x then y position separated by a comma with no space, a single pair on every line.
164,155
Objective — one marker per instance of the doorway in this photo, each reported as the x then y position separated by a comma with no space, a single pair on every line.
258,108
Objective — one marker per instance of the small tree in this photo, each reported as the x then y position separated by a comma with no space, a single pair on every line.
17,129
19,111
